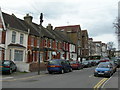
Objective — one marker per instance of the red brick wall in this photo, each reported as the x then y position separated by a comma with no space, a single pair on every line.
2,54
3,37
35,41
34,66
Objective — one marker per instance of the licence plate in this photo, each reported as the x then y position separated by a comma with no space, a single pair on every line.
52,66
100,73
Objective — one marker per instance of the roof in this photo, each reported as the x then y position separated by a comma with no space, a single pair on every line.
63,37
13,21
97,42
72,28
34,29
16,23
90,38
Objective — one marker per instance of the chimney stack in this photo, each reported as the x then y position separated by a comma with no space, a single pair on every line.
50,27
28,18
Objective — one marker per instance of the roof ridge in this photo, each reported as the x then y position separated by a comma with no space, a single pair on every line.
67,26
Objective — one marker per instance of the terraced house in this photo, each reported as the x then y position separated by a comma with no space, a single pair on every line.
85,49
23,38
74,33
2,37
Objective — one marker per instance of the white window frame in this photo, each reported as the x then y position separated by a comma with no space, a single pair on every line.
21,38
18,55
13,37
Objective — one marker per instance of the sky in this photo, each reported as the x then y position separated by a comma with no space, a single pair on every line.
96,16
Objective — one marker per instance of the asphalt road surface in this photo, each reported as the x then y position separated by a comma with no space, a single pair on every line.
77,79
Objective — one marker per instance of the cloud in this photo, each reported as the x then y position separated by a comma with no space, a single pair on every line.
105,38
97,16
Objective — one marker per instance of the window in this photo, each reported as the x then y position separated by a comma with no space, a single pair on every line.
32,41
10,54
21,38
13,37
0,36
38,42
18,55
50,43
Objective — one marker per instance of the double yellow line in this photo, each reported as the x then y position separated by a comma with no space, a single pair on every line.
100,83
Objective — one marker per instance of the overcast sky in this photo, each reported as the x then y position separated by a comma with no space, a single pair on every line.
96,16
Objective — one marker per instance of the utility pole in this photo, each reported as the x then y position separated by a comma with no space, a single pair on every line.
41,21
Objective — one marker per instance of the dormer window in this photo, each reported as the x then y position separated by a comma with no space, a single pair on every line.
13,37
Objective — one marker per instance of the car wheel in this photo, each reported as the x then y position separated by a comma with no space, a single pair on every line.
62,71
10,71
95,75
78,68
110,75
15,70
50,72
70,70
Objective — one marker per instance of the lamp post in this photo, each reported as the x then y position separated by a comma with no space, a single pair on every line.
41,20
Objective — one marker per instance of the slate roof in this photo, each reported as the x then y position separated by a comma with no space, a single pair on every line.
63,36
16,23
72,28
12,21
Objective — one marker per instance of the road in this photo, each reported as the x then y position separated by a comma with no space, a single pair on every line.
77,79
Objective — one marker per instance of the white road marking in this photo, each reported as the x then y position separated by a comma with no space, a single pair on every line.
106,82
6,78
90,75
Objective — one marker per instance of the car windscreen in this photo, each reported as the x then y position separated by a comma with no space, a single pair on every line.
6,63
73,62
85,62
53,62
103,66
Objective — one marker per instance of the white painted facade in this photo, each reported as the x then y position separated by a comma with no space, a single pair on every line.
73,55
10,50
98,49
2,46
104,51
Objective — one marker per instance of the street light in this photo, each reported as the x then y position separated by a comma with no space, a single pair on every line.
41,20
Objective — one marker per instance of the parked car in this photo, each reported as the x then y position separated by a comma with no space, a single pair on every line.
7,66
104,60
97,61
86,64
92,62
104,69
114,66
58,65
117,62
76,65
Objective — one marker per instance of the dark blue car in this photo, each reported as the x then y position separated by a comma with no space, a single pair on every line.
58,65
104,69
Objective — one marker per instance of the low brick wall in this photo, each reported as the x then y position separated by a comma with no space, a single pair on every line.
34,66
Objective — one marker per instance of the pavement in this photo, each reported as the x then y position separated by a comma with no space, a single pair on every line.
114,79
21,74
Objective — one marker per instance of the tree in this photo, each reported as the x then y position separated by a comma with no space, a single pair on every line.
111,49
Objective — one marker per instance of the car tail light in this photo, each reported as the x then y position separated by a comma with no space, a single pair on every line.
54,66
58,66
74,65
7,66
